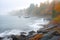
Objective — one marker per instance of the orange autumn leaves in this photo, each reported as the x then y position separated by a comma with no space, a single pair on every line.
56,20
57,6
37,37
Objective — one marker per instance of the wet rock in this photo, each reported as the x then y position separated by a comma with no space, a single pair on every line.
1,38
36,37
31,33
55,38
14,37
48,35
23,33
22,37
56,33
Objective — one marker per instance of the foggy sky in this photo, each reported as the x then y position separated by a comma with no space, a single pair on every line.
9,5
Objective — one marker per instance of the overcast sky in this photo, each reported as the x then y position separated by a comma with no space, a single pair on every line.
9,5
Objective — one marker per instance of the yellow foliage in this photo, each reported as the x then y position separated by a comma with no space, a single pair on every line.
57,19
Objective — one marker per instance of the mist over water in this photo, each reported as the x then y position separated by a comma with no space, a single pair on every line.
13,24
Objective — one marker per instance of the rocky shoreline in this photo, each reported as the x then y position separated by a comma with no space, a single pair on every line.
50,33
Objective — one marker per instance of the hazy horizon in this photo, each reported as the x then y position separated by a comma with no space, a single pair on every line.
10,5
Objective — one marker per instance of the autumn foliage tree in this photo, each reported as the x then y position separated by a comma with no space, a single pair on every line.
55,8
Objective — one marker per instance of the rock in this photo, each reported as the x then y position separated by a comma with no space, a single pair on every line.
1,38
36,37
55,38
22,37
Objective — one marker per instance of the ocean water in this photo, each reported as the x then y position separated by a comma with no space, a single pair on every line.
15,25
